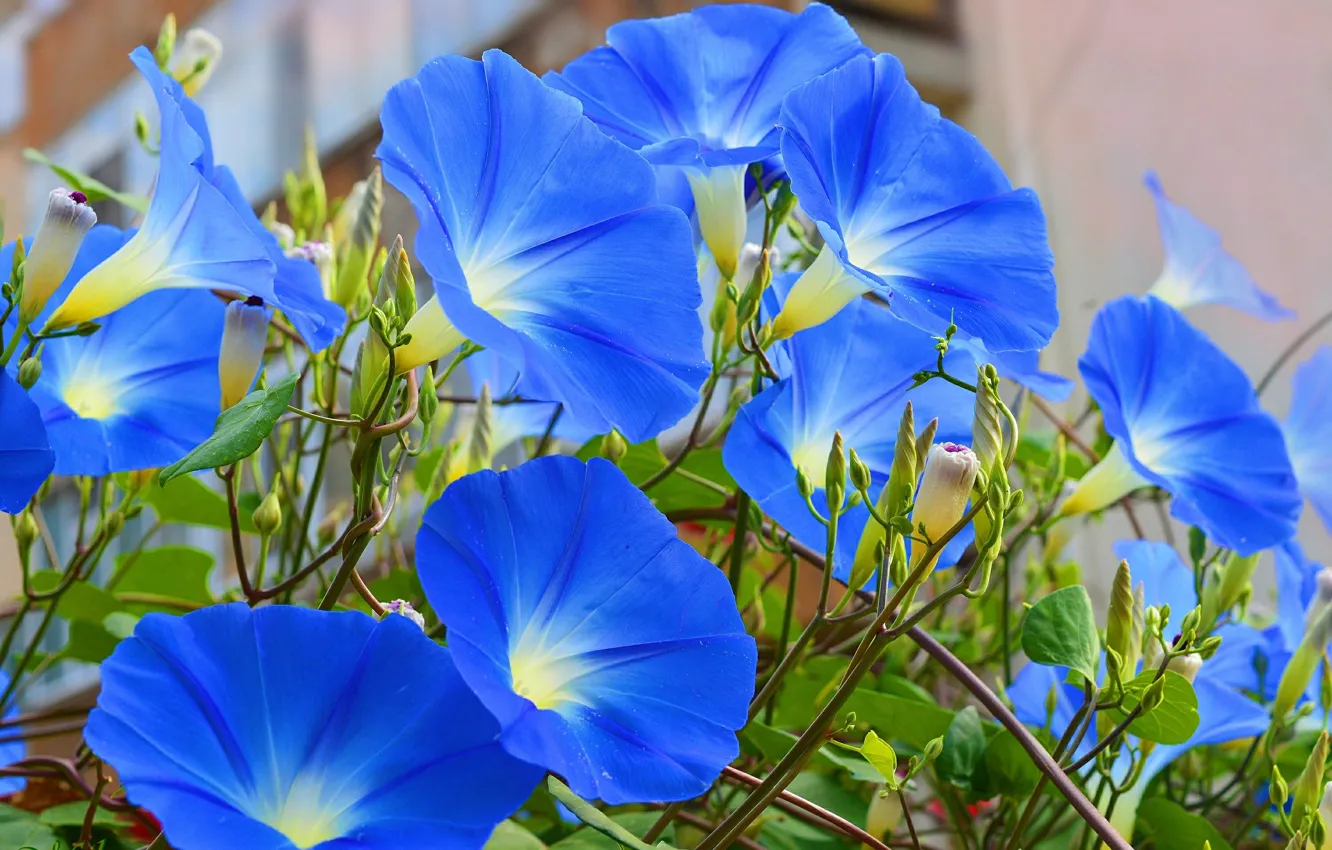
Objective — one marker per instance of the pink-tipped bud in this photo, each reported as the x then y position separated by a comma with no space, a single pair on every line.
404,608
244,332
950,472
68,220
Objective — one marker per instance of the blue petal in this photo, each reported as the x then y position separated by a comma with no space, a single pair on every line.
1198,270
280,726
1031,689
709,81
852,374
1165,579
513,422
544,244
1308,431
560,582
25,455
1020,366
1189,422
917,209
1297,583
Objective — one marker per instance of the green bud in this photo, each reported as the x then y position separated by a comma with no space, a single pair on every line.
405,288
1190,624
893,498
1154,695
860,472
933,748
16,263
783,203
1015,500
142,131
166,42
923,444
1223,591
25,533
1119,620
87,328
268,516
1209,646
1277,788
721,312
614,447
1295,679
428,402
354,258
29,372
987,429
834,482
1308,791
480,450
897,567
1197,544
133,510
803,485
113,524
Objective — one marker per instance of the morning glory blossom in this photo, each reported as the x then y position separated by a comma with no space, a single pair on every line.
1308,430
545,244
284,727
610,651
1184,418
26,458
698,95
911,207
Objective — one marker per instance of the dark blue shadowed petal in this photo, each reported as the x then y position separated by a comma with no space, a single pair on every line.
1198,270
1185,418
25,453
191,238
143,390
698,95
852,374
612,652
914,208
284,727
1308,431
544,244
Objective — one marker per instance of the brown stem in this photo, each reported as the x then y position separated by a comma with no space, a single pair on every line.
817,811
237,546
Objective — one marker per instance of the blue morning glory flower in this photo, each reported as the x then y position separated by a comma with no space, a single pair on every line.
283,728
510,423
610,651
544,244
11,751
911,206
1184,418
1198,270
25,453
851,374
1308,430
143,390
698,95
200,232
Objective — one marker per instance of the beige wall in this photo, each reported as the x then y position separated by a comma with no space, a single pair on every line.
1231,103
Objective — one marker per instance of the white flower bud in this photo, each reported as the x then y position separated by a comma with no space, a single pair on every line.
404,608
68,220
321,255
195,59
1186,665
244,331
950,472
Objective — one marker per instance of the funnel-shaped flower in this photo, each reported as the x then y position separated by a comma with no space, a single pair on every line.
698,96
1198,270
852,374
25,454
284,728
200,233
1185,418
1308,431
545,245
143,390
912,207
610,651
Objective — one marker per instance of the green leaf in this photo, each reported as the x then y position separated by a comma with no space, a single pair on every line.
880,754
239,431
806,688
72,814
1171,827
83,602
643,460
963,750
24,829
95,189
170,572
1060,630
1008,769
1173,721
120,625
511,836
771,744
89,642
423,473
909,721
188,500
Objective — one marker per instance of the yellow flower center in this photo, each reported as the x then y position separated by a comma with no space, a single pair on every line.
91,398
306,819
542,679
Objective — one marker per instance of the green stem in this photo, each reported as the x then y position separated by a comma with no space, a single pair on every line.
741,532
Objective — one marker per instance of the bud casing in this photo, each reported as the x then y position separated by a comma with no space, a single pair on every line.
68,220
244,332
950,472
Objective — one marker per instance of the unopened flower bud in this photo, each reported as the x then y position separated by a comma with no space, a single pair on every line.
286,237
403,608
1209,646
933,748
803,485
355,256
614,447
68,220
860,472
885,813
893,498
1154,695
1119,622
268,516
1186,665
1308,790
29,372
834,482
25,532
428,403
112,525
950,472
244,332
1279,791
195,59
320,255
987,430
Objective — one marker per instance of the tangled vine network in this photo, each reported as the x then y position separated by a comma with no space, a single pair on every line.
714,496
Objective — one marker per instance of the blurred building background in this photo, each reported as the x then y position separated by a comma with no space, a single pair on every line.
1230,102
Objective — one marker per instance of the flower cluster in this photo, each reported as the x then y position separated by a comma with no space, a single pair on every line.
719,297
